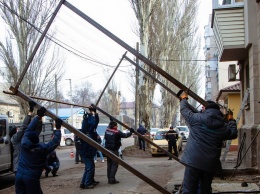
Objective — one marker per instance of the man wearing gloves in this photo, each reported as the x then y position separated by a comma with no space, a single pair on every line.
112,143
89,125
33,155
208,129
17,137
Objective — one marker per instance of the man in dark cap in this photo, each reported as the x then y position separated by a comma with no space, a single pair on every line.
208,129
112,143
172,136
33,155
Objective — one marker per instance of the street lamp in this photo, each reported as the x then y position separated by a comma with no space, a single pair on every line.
71,107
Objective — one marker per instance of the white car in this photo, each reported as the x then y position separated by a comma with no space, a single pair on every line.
184,132
67,138
153,132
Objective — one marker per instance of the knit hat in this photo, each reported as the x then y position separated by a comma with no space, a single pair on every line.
112,124
33,137
212,105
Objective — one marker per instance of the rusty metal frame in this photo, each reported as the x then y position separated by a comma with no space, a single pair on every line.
15,91
136,53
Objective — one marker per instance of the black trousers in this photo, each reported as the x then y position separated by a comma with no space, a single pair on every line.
112,167
172,145
141,143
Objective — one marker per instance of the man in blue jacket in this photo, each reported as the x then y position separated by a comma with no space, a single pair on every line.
141,141
208,129
33,155
89,125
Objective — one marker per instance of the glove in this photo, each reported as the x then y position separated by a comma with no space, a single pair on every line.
132,130
58,123
182,94
92,109
31,105
41,111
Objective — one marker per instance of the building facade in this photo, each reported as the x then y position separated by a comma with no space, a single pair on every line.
236,27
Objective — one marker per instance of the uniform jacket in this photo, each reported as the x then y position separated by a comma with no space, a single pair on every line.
113,138
171,136
89,125
207,132
33,155
16,141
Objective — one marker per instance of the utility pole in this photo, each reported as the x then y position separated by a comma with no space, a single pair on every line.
137,90
71,107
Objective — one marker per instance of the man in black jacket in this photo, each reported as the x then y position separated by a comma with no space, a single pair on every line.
141,141
172,136
112,143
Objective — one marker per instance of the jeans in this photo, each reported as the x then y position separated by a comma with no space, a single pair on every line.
89,171
196,181
112,167
100,154
26,184
53,168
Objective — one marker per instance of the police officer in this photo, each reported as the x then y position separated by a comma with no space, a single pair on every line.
171,136
112,143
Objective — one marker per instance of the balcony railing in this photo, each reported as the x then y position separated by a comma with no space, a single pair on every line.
220,4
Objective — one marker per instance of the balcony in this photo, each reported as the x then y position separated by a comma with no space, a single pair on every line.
229,29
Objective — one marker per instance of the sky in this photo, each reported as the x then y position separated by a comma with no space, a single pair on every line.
118,17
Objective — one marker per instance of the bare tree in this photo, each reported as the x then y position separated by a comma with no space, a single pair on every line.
84,94
167,29
25,20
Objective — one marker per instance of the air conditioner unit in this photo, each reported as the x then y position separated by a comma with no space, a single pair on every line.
10,113
232,72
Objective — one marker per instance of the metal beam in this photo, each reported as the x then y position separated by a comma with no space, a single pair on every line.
110,78
95,144
38,45
134,52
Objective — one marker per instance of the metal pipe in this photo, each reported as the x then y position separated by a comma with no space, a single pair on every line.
137,54
114,119
111,78
95,144
38,45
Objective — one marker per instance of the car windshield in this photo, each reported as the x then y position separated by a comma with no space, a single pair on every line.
185,129
160,135
66,131
101,129
154,129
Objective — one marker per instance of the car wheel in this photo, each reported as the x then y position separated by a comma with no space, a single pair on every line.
68,142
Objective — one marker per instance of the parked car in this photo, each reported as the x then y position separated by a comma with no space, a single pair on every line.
184,131
160,140
153,132
67,137
101,128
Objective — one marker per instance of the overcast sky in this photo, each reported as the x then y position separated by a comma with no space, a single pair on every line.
115,15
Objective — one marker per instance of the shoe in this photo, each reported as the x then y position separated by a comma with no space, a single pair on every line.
144,149
140,148
113,182
54,175
103,160
76,162
89,187
95,183
170,159
82,186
